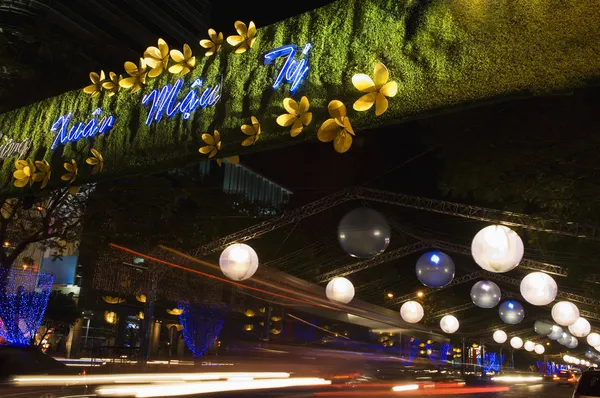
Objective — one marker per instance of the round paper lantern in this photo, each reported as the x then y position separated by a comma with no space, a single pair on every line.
435,269
529,346
538,288
556,333
516,342
238,262
573,343
539,349
411,312
449,324
564,339
364,233
511,312
485,294
565,313
580,328
500,336
593,339
340,290
543,328
497,248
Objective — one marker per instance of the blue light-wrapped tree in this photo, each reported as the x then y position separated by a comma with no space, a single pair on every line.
23,301
202,323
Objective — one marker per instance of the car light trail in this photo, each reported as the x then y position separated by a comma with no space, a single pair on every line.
516,379
407,387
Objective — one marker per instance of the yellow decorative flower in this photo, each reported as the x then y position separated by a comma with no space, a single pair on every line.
111,85
43,173
110,317
24,172
337,129
185,61
275,331
214,44
175,311
248,328
73,190
297,116
377,90
235,159
262,310
72,170
246,37
275,318
249,313
97,161
252,130
96,86
141,298
261,323
157,58
175,325
113,300
213,144
141,315
137,76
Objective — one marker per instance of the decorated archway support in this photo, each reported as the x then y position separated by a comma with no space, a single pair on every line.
441,55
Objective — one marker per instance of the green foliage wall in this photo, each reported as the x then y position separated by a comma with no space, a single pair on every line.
443,54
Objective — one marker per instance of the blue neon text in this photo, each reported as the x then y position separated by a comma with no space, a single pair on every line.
164,100
87,129
292,71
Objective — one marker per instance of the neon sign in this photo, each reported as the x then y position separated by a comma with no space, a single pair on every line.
81,130
163,100
292,71
10,147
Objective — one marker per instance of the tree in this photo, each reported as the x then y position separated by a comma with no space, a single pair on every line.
61,313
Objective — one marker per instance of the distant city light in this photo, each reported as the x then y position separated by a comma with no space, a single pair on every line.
419,294
390,295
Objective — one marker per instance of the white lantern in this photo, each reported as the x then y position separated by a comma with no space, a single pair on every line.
516,342
556,333
497,248
580,328
412,312
500,336
593,339
539,288
238,262
573,343
539,349
567,358
565,313
449,324
340,290
529,346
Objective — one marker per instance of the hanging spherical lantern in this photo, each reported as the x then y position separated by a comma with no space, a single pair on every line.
497,248
449,324
529,346
364,233
593,339
340,290
238,262
435,269
539,288
564,339
556,333
516,342
485,294
500,336
580,328
565,313
511,312
543,328
539,349
412,312
573,343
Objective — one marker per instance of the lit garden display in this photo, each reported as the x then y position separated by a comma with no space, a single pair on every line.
202,323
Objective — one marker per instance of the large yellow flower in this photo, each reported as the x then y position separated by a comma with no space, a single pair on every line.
96,86
157,58
377,90
71,173
113,300
97,161
137,76
298,115
111,85
175,311
140,297
337,129
252,130
214,44
246,37
185,61
43,173
110,317
213,144
24,172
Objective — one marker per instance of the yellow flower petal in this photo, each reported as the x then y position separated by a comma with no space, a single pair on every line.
177,56
131,68
336,109
365,102
296,128
251,30
363,83
348,126
249,141
91,161
389,89
251,42
328,131
304,105
96,154
42,165
20,183
213,35
235,40
208,139
342,142
178,68
217,137
69,167
286,120
233,159
255,123
306,118
381,104
19,164
381,74
206,149
91,89
152,54
19,174
191,62
163,47
187,51
219,162
291,106
156,71
247,129
242,48
66,177
241,28
128,82
206,43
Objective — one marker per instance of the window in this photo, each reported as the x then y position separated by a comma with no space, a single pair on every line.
589,385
